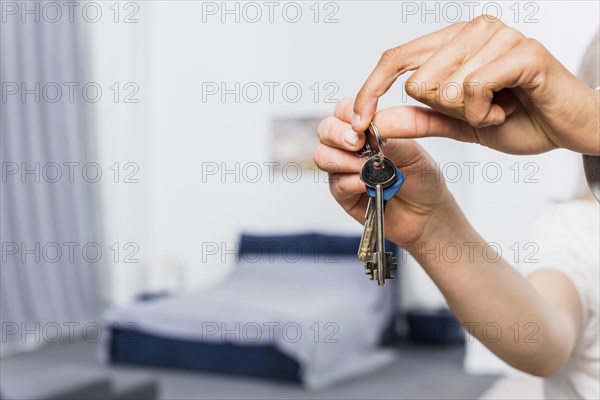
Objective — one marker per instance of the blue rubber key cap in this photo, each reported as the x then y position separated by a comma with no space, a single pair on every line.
390,192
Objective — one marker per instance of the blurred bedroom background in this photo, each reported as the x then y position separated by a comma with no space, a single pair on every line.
160,213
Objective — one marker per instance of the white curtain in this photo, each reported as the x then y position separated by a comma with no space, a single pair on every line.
45,297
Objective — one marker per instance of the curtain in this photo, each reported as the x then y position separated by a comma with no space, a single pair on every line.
51,276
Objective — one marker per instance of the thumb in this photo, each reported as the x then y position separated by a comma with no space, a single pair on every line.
418,122
363,111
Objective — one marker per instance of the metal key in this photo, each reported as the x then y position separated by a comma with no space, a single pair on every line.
385,261
367,244
366,253
378,175
378,170
367,241
383,180
379,255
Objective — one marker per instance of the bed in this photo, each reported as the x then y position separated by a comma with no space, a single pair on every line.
296,308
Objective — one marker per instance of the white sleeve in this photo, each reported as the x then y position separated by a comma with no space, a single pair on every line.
564,240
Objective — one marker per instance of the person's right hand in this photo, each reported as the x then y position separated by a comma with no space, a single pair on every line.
486,83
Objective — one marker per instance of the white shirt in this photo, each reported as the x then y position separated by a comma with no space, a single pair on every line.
568,237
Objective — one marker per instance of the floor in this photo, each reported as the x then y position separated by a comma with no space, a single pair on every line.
515,387
420,372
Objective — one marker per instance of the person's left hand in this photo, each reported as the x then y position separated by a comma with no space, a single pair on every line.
424,201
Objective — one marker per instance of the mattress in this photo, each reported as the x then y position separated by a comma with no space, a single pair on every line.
322,316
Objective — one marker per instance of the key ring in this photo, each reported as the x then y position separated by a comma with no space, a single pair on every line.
375,132
367,150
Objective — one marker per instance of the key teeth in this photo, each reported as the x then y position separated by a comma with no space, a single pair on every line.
370,270
391,266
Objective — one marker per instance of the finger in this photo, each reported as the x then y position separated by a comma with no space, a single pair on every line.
521,66
500,42
343,109
336,133
411,158
419,122
354,203
346,185
505,99
334,160
430,77
337,161
393,63
405,153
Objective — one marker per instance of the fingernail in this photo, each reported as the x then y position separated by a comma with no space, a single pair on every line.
355,119
350,137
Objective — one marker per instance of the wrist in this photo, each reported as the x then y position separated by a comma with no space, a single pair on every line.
570,110
583,127
594,123
447,225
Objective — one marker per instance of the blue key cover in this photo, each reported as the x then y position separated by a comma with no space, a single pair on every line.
391,191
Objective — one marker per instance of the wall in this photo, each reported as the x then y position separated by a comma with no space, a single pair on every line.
173,133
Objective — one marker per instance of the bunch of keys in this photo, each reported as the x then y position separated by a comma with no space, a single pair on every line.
383,180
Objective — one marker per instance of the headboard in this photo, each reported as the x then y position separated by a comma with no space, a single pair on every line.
304,243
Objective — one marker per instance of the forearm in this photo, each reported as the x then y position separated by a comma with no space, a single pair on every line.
494,302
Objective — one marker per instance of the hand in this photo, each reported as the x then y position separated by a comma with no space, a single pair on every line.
488,84
424,218
413,215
